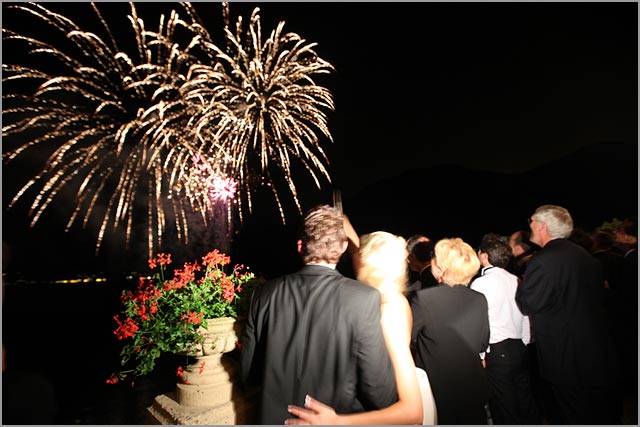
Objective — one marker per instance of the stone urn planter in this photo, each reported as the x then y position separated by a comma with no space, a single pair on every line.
207,393
206,382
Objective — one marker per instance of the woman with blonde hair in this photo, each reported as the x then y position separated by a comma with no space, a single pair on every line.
450,334
380,261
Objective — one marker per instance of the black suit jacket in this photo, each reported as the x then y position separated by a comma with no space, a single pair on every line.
426,278
450,330
316,332
562,292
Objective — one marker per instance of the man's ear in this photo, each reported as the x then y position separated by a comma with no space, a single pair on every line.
300,246
411,260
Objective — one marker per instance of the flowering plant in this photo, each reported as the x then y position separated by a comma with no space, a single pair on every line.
165,315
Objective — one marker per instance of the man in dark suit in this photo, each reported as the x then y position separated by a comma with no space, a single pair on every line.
562,294
316,332
625,303
419,250
522,249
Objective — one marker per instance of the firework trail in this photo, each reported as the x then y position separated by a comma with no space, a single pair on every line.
260,103
175,126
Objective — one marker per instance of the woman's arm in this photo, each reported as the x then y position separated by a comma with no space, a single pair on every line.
352,236
353,243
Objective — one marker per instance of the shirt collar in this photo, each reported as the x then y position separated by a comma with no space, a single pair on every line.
484,269
324,264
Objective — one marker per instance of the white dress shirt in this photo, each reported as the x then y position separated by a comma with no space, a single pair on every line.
505,319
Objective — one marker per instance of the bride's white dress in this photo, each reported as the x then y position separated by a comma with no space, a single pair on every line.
430,416
396,326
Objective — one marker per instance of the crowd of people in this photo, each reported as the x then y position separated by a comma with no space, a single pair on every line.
537,327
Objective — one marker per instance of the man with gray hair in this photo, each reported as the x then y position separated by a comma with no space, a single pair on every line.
562,295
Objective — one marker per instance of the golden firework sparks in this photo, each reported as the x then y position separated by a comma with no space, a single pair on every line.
132,132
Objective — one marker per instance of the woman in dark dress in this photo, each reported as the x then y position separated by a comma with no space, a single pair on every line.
450,334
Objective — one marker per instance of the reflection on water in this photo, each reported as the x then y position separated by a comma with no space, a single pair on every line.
63,332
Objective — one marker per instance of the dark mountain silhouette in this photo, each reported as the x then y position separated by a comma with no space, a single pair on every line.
596,184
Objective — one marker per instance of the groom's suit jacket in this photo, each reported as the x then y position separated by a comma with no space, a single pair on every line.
316,332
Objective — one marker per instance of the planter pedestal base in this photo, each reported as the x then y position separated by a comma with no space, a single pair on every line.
166,410
207,393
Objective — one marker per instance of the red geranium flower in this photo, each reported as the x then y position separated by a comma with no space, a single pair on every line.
165,314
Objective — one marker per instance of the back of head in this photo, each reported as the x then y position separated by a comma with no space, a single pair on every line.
457,260
629,226
558,220
602,240
582,238
323,236
415,239
497,248
383,262
522,238
626,234
423,250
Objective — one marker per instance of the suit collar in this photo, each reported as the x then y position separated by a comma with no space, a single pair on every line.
316,269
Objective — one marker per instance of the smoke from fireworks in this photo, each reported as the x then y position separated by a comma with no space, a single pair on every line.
175,126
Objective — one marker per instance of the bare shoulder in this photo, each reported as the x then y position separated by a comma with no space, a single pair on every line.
396,309
396,301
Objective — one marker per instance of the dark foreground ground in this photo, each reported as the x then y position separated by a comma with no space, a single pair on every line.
61,349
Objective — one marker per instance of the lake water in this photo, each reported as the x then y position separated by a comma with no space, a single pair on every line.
63,334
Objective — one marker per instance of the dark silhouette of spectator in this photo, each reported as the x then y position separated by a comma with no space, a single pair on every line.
582,238
625,235
522,249
626,303
611,260
413,277
420,250
562,294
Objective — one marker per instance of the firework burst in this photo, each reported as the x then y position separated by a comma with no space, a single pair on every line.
175,126
260,103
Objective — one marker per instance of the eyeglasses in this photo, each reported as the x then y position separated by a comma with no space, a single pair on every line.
532,220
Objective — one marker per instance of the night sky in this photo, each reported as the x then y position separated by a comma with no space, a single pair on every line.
502,87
